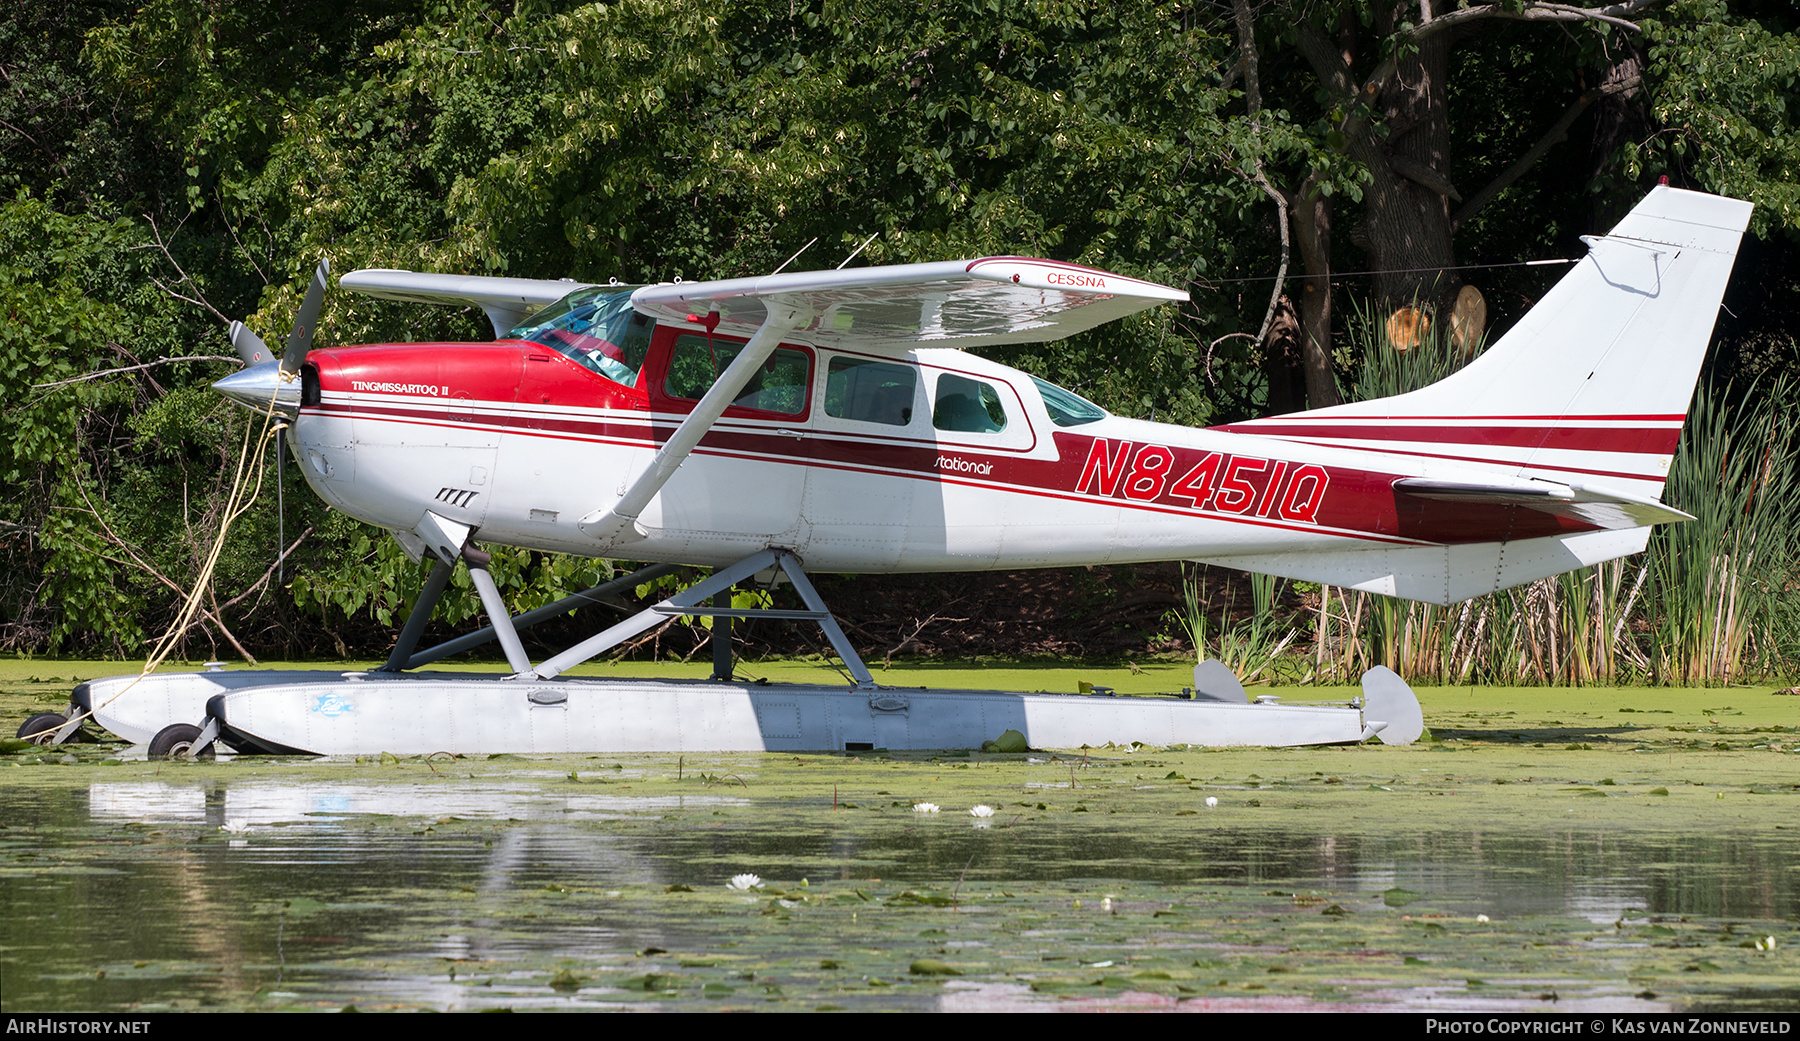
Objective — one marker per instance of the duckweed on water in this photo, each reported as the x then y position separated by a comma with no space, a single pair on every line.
1646,867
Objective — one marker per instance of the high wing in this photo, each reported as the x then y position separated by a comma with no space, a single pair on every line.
987,301
959,303
505,301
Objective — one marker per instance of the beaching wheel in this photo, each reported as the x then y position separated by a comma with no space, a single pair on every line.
176,740
40,728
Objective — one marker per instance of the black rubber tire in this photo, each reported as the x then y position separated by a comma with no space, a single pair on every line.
176,740
41,727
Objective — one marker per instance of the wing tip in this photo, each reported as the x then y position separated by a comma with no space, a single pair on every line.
1062,276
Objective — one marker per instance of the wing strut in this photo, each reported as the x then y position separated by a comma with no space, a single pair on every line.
618,525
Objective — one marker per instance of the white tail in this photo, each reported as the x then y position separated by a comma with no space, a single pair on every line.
1588,392
1593,384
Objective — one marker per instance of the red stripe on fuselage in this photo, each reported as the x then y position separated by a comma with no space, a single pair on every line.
1355,503
501,388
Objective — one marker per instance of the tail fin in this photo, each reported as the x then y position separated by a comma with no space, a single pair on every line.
1593,384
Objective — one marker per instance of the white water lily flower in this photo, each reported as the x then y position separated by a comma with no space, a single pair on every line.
234,827
1481,918
925,807
745,881
1212,801
981,811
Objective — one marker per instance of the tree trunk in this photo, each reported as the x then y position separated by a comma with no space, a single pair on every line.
1284,361
1621,116
1310,212
1406,226
1312,233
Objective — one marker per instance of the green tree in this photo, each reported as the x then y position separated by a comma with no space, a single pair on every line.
1712,90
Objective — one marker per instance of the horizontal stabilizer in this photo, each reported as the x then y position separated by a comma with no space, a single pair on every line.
958,303
505,301
1606,508
1444,574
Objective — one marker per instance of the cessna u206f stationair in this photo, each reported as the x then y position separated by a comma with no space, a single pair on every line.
834,418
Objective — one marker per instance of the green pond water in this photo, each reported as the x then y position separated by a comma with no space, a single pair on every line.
1585,850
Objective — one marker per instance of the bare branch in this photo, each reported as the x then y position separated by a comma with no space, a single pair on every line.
1246,29
185,277
1209,353
1231,76
1327,61
135,360
136,560
232,228
23,134
1536,11
1281,205
220,622
1532,11
135,368
266,575
200,302
913,636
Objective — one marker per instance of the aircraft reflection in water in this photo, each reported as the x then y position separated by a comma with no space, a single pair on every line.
834,418
342,887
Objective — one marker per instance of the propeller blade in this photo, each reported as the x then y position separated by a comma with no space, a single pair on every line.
300,340
250,346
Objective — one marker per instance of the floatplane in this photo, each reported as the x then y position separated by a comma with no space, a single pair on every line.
834,421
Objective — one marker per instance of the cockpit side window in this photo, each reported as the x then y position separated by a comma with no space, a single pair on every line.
870,391
779,385
597,328
967,406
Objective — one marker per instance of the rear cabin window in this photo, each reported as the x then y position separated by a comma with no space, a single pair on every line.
595,327
870,391
967,406
778,386
1067,408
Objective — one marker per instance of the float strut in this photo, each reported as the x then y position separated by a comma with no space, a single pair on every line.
690,601
536,615
496,609
803,585
420,617
721,638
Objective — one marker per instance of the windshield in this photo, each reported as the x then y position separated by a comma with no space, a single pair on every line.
597,328
1067,409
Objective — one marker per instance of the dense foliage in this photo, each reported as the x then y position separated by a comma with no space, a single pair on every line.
170,165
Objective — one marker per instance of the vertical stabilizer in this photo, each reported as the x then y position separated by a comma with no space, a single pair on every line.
1593,384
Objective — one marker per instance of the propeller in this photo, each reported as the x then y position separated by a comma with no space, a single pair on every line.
266,382
262,380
